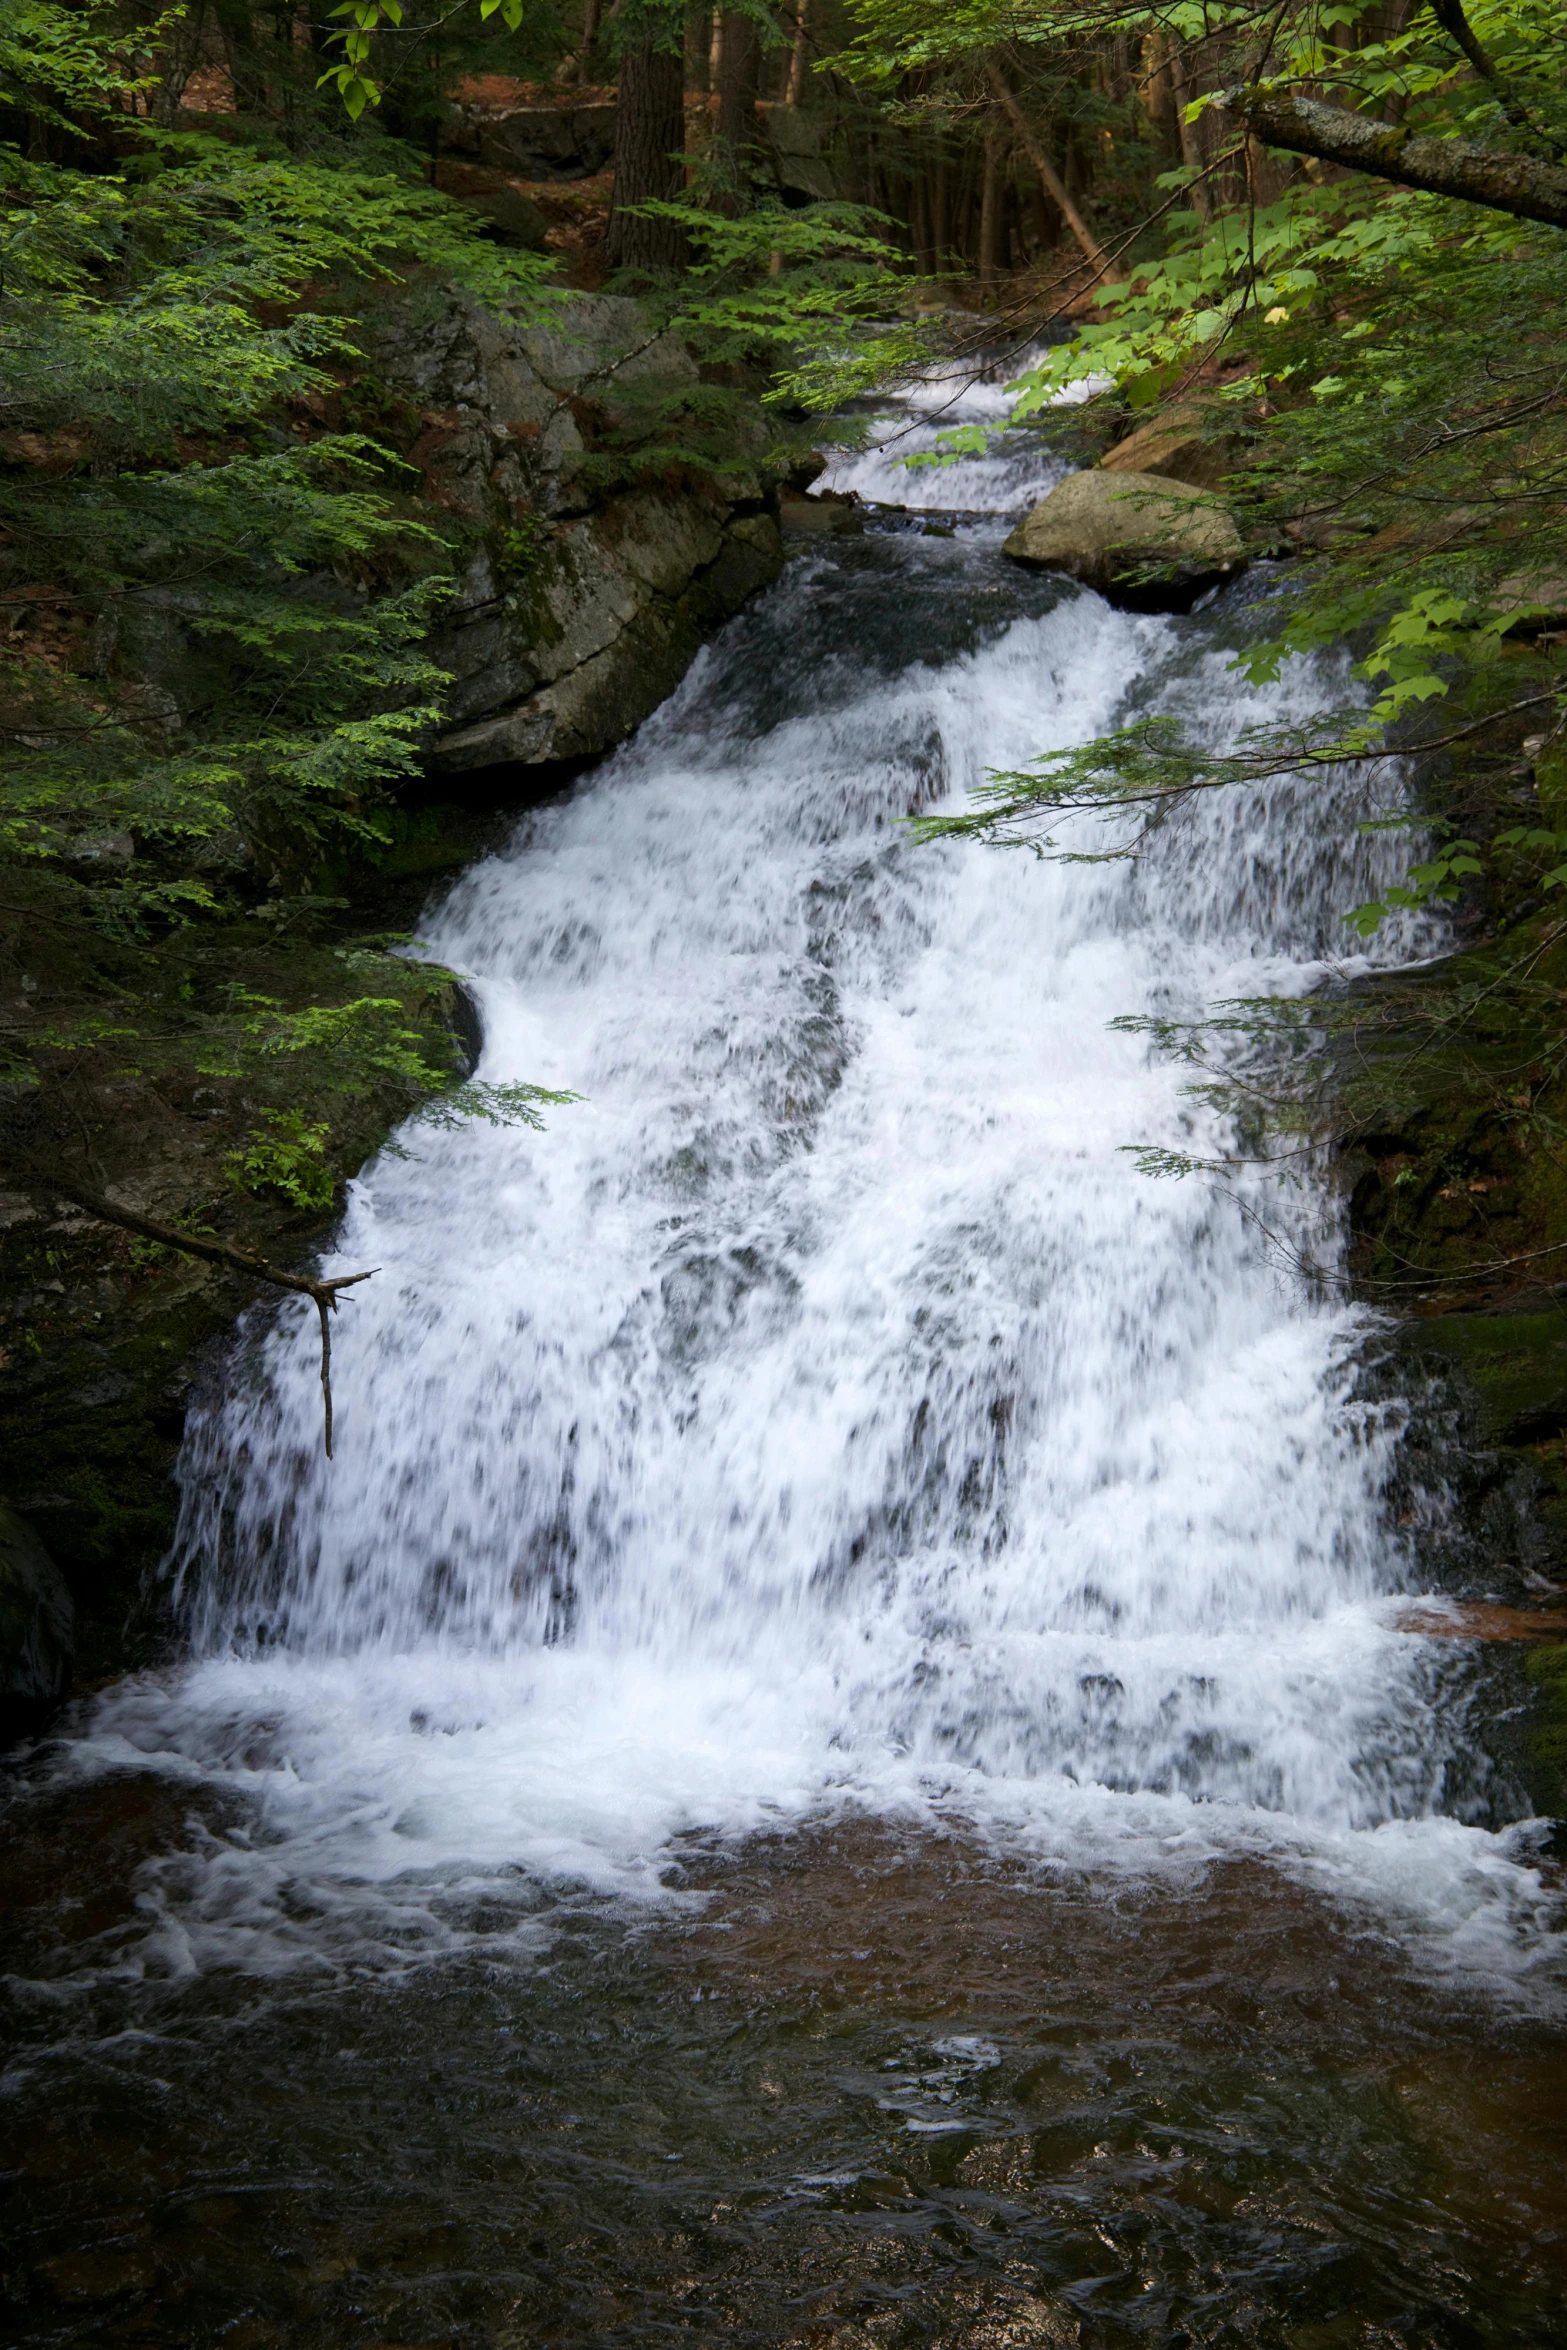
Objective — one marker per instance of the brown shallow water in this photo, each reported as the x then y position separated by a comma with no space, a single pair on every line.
853,2088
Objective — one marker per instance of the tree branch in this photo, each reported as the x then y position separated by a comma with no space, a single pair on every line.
1518,184
1450,16
222,1252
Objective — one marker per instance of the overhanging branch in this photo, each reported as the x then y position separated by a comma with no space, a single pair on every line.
1517,184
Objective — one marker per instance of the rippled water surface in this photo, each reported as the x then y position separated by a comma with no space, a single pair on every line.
832,1759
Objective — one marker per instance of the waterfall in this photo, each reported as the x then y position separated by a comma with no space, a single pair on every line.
825,1410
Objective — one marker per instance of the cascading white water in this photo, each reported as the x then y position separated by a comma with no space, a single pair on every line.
825,1408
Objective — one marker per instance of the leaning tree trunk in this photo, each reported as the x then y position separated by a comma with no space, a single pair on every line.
650,137
1050,179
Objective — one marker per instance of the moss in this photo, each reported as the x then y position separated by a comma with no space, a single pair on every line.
1546,1670
1518,1366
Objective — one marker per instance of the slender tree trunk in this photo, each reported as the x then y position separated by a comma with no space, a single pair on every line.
715,52
1191,143
795,85
987,211
1047,221
576,67
1053,184
919,222
737,82
941,252
650,134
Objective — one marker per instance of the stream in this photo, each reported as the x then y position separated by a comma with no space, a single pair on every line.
832,1759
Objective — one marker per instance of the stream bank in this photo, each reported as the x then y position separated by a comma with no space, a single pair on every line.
587,573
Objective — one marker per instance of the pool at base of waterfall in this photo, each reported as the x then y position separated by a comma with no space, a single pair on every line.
837,1756
851,2085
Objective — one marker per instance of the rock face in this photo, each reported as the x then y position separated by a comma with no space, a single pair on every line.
1106,530
37,1629
582,599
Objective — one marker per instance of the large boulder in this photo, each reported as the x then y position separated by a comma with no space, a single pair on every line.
1144,540
568,140
37,1629
793,149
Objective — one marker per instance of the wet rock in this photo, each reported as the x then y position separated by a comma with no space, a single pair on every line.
37,1629
1144,540
826,511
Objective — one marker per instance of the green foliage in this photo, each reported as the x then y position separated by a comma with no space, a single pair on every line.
285,1154
813,295
507,1104
213,601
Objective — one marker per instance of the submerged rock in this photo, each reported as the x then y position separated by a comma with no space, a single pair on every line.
37,1629
1144,540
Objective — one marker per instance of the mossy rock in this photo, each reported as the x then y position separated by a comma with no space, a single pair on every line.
1516,1362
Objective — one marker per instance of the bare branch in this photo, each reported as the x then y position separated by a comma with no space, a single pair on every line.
222,1252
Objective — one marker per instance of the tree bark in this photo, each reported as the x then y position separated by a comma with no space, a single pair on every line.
1191,142
795,86
987,210
737,82
1517,184
1051,180
650,137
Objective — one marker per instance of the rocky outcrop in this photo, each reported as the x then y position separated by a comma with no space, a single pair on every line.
1144,540
606,508
795,149
592,571
37,1630
568,140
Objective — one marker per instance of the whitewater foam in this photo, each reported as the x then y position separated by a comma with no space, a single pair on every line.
824,1412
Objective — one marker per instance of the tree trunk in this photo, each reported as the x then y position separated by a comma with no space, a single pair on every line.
795,86
919,224
1054,185
987,212
650,134
575,68
737,82
1191,141
1516,184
